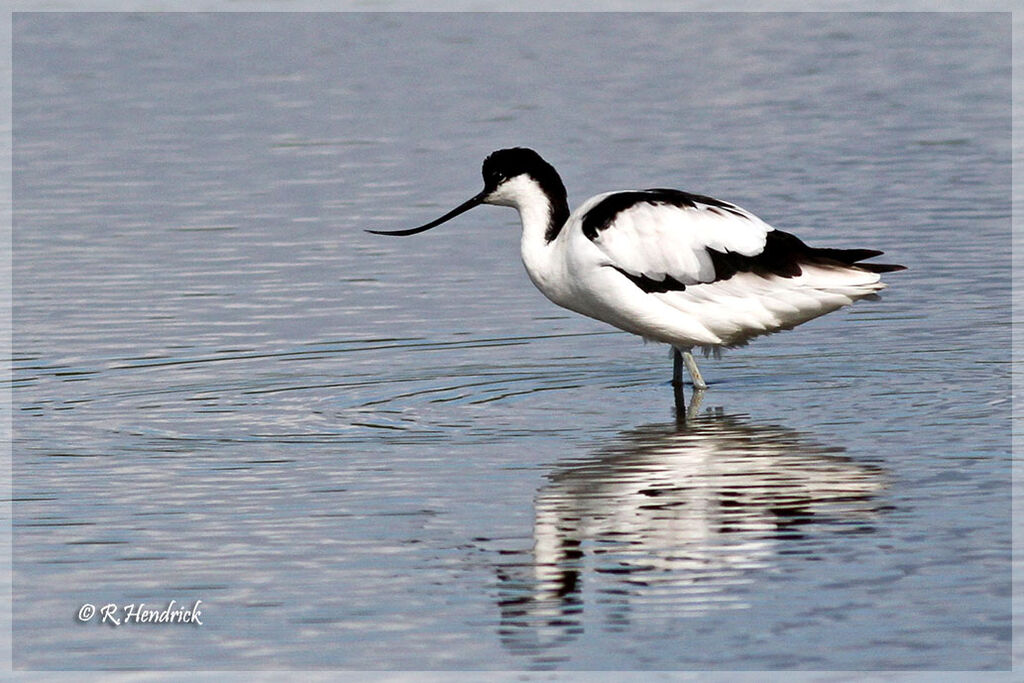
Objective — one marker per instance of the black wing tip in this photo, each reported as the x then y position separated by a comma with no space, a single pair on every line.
784,254
881,267
859,255
854,257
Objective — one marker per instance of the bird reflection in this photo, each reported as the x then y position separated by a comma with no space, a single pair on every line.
676,517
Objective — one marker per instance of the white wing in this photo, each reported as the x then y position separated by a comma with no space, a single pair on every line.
659,234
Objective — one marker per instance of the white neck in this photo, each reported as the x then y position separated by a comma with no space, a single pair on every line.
535,209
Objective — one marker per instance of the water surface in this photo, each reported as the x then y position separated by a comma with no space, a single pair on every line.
363,453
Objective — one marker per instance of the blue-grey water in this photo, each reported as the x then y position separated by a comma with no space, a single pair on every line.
363,452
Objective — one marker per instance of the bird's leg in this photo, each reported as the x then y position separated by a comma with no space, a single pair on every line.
677,381
677,367
691,366
694,408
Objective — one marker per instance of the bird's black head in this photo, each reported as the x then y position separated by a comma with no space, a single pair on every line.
505,164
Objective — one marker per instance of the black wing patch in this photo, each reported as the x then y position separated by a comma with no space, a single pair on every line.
782,256
603,214
784,253
652,286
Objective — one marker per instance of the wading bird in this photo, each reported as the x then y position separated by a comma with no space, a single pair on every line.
684,269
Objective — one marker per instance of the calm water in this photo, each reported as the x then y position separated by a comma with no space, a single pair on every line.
366,453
